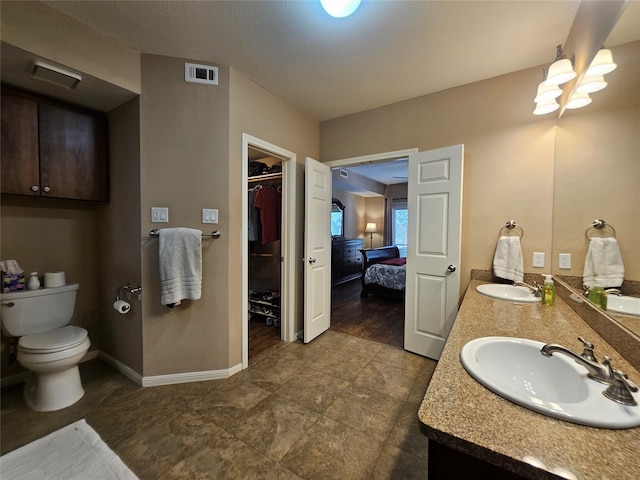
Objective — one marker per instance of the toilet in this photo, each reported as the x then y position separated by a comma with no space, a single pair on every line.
48,346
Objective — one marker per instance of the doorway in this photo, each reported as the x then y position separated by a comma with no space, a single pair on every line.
286,250
377,317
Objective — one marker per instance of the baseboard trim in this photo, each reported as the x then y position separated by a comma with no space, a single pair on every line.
172,379
128,372
150,381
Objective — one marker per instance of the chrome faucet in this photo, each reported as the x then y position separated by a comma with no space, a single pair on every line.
613,291
620,387
535,289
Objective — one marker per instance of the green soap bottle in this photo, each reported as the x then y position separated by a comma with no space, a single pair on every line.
548,290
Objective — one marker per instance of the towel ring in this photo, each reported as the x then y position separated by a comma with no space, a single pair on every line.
510,225
599,224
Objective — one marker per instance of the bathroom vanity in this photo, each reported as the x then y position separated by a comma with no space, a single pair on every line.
475,433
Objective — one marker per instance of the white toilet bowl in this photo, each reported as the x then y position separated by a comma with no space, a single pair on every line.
48,346
53,357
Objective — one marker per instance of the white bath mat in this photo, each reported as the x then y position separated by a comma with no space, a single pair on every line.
75,452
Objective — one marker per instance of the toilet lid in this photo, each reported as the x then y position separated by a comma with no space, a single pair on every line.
58,339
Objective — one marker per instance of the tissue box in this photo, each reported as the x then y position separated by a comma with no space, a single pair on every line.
12,283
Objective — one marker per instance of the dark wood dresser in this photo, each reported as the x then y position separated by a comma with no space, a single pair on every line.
346,260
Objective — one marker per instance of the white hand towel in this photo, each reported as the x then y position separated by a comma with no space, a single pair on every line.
507,261
180,265
603,265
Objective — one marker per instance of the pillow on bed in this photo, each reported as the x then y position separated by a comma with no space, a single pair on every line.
395,261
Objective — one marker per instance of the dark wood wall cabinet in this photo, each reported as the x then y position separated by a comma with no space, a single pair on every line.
52,150
346,260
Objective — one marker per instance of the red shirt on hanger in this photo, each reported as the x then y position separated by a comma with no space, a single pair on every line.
269,201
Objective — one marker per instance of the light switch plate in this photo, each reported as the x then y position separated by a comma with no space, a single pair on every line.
209,215
159,215
538,259
564,261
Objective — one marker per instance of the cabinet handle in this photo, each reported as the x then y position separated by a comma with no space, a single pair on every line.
47,189
35,188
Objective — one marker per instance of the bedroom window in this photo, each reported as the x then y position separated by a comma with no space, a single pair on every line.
400,221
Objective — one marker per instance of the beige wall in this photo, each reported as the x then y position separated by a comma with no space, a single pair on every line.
119,239
509,154
46,235
184,152
374,208
257,112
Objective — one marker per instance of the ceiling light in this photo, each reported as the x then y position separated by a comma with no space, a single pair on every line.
546,106
602,63
340,8
561,70
591,84
546,92
578,100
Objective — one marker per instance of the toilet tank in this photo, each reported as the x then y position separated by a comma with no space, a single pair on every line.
36,311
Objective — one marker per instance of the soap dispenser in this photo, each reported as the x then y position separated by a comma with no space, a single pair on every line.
548,290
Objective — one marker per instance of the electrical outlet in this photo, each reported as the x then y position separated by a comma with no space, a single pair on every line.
538,259
564,261
159,215
209,215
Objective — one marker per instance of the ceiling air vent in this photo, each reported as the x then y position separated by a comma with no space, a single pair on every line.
200,74
344,173
56,75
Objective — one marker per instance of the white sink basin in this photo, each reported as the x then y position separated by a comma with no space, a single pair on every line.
507,292
626,305
555,386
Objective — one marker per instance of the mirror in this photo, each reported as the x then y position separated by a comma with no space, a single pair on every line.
597,172
337,218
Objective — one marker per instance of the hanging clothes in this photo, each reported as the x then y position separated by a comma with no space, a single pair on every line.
268,201
254,216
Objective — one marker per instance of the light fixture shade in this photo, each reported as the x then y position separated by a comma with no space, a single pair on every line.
578,100
547,92
593,83
547,106
602,63
560,71
340,8
371,228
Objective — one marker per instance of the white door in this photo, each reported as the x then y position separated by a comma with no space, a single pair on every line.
317,249
433,251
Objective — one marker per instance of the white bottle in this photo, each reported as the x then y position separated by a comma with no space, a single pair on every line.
34,281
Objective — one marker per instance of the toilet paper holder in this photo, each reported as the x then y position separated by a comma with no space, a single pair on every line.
129,291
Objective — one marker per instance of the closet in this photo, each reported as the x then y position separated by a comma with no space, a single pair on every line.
264,192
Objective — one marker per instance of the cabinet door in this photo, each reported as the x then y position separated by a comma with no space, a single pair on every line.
73,154
19,144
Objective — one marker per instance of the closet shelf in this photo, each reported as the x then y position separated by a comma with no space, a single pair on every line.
261,302
259,312
264,255
267,176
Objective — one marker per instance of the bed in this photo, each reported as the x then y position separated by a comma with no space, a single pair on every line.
383,272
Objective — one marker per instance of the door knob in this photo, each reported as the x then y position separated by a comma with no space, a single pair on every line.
47,189
451,268
35,188
312,260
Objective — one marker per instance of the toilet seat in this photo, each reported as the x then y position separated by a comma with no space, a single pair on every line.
53,341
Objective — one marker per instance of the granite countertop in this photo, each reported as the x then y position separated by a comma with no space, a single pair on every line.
460,413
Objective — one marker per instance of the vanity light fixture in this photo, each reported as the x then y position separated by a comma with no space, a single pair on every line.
546,96
578,100
340,8
602,63
561,70
593,83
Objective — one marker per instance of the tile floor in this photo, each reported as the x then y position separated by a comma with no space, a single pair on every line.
341,407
